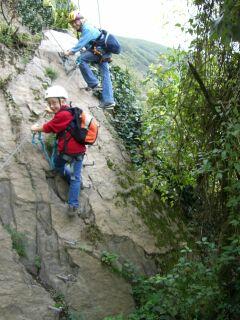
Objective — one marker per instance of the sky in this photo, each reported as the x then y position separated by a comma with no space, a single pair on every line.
152,20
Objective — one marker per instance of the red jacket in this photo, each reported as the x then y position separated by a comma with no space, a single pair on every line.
59,123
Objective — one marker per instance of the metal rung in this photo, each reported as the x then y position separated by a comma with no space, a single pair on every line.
67,278
88,186
70,242
89,164
57,310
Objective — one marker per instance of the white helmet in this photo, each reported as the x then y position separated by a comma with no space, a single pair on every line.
56,92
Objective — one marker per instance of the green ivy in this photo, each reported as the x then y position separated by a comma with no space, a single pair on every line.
35,15
127,116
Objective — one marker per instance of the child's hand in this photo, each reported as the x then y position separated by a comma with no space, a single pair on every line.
48,110
36,127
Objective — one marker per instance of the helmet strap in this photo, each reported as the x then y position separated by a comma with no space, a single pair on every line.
60,103
80,27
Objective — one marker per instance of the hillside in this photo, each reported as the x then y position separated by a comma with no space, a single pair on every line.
58,256
138,54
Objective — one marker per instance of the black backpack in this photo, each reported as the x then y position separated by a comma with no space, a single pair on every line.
83,128
108,42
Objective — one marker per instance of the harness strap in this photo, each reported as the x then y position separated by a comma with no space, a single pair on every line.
71,159
99,53
106,38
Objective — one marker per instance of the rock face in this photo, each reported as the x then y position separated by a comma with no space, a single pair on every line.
20,296
62,256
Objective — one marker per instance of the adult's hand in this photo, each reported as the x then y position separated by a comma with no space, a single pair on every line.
68,53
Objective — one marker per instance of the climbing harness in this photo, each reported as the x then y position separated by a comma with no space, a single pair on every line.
43,148
71,161
100,55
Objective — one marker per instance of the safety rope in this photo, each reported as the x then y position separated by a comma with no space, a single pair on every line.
56,41
17,149
43,147
99,15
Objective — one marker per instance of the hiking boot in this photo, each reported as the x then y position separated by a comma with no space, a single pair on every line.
106,105
96,88
72,211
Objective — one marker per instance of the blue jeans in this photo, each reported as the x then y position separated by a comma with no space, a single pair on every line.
72,174
90,78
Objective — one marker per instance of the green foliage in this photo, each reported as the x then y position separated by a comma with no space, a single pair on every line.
162,138
18,241
66,313
108,258
114,318
191,160
37,263
4,82
193,289
61,14
190,291
127,117
35,15
227,24
124,268
13,39
51,73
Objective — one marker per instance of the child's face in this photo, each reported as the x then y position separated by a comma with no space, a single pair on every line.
54,104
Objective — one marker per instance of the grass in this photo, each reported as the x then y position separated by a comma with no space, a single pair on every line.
18,241
51,73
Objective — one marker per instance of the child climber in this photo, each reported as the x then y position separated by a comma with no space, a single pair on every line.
97,55
69,150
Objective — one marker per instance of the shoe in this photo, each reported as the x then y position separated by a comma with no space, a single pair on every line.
106,105
72,211
96,88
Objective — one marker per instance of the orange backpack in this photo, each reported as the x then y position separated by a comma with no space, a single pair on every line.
83,127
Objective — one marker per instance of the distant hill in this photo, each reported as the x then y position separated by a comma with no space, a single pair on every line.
138,54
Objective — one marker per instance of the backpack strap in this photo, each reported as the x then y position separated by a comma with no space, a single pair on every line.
88,120
106,38
76,112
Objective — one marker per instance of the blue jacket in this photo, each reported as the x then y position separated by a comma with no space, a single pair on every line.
88,34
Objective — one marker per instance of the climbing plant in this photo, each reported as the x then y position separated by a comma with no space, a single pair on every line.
34,14
127,116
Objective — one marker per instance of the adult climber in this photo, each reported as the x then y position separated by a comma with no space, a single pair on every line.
70,153
98,55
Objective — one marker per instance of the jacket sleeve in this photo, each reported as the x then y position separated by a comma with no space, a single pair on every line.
89,33
59,122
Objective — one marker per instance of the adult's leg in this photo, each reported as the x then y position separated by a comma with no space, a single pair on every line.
86,71
107,91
